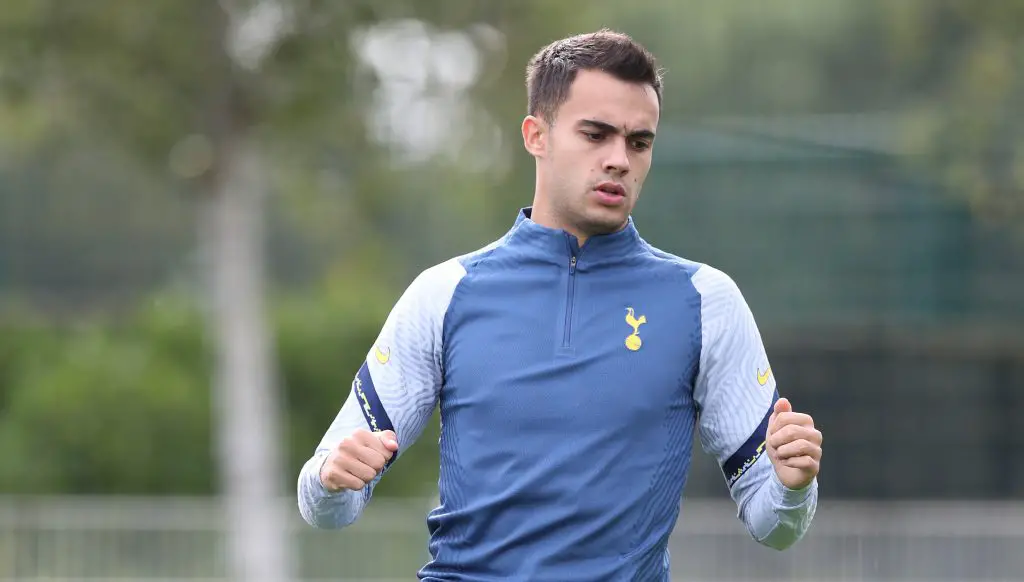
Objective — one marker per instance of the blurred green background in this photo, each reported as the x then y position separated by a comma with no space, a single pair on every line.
208,208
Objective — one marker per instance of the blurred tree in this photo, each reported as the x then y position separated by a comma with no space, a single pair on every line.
194,85
967,63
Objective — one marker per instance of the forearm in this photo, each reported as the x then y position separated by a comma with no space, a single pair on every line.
323,509
396,388
778,517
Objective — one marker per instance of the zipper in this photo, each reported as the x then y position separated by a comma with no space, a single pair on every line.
570,299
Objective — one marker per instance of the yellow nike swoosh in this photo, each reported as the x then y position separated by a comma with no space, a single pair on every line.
383,357
762,379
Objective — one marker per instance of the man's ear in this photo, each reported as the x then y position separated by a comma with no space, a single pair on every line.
535,135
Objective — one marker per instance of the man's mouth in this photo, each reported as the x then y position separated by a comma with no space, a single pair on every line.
611,188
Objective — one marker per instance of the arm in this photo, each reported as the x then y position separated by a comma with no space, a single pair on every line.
735,394
396,388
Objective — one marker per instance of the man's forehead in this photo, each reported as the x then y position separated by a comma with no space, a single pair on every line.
623,111
598,96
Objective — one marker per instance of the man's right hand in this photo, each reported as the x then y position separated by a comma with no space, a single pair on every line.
357,460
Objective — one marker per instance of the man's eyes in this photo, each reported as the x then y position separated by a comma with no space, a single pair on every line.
637,144
640,145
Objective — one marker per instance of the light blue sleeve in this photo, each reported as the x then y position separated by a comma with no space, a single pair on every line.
735,392
396,387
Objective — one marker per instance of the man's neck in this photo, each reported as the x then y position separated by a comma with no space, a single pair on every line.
544,215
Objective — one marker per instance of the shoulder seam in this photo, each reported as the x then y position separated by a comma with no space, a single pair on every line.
681,262
475,258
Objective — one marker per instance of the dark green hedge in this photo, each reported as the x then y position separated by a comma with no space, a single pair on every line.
123,405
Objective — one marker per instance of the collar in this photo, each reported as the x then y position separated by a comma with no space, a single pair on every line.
561,245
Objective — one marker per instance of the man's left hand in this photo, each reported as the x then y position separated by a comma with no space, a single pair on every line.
794,445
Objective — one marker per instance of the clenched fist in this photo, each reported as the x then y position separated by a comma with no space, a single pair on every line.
794,445
357,460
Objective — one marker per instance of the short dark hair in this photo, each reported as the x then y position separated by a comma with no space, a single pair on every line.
551,72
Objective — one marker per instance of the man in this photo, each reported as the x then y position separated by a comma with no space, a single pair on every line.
572,362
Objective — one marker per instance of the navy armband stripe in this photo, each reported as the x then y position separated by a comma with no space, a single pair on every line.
369,403
750,451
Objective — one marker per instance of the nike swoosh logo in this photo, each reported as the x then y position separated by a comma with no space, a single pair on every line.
762,379
383,357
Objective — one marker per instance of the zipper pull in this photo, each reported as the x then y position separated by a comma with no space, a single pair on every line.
572,264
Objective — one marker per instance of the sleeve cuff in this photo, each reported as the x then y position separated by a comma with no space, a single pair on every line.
787,497
318,484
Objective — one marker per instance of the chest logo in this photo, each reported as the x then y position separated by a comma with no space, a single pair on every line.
633,341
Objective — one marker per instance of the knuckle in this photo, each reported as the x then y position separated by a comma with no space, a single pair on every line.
354,483
790,432
335,461
354,477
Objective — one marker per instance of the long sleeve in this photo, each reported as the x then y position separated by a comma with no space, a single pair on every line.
396,388
735,392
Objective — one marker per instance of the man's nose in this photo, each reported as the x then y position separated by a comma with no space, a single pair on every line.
617,160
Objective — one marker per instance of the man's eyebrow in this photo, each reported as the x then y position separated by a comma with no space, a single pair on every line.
609,128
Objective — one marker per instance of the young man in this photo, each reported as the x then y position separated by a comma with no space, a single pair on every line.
572,362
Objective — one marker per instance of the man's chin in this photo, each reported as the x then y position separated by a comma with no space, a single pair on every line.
605,221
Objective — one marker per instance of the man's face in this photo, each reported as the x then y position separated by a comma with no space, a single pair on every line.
596,155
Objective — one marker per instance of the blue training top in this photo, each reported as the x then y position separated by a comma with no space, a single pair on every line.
570,381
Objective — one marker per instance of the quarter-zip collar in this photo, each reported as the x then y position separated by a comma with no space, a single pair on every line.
561,246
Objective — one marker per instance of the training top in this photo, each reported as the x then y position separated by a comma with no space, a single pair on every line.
570,380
